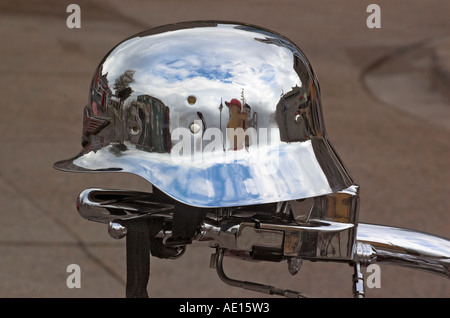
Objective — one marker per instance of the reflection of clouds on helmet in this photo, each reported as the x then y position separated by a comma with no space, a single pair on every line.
208,67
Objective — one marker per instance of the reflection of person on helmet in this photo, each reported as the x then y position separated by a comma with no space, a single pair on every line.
238,119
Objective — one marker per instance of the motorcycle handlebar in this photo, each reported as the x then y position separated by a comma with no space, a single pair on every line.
403,247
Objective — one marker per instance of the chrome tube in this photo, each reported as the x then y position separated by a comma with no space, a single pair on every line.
266,289
105,206
407,248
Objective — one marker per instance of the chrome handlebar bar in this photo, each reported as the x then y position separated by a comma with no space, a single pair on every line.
403,247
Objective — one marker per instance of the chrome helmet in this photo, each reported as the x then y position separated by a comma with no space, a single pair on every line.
213,114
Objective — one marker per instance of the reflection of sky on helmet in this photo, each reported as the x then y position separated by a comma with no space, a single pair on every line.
180,69
259,177
209,63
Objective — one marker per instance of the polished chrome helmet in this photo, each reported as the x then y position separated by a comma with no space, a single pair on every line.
213,114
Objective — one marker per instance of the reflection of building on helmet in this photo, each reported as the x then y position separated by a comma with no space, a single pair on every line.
294,115
101,92
155,116
298,114
91,126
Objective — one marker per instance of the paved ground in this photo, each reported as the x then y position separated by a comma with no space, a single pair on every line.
397,153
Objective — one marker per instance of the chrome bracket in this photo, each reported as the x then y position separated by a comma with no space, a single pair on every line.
217,262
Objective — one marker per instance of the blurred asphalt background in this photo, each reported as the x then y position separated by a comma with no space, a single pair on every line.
386,103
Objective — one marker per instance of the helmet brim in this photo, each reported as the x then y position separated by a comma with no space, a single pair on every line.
291,171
